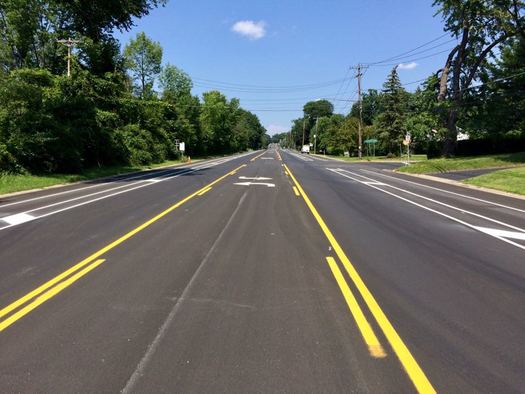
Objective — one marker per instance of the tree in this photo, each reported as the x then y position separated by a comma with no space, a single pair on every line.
217,118
29,30
143,58
318,108
98,18
175,83
372,106
391,122
481,27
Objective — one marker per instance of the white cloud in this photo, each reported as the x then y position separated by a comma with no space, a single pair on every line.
276,129
252,30
407,66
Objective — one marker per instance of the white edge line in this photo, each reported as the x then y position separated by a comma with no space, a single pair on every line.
431,210
444,204
447,191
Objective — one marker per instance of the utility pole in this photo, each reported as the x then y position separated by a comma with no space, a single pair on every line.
315,135
304,120
69,43
359,68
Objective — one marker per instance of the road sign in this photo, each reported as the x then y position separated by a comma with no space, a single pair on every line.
182,146
371,141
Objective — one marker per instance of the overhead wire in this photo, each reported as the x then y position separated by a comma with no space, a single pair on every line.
407,52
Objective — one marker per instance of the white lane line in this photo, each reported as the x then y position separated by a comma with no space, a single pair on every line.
440,203
125,178
100,198
190,170
85,188
447,191
303,158
375,183
19,218
255,178
148,182
429,209
254,183
267,158
502,233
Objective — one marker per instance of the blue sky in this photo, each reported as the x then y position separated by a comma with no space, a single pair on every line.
275,55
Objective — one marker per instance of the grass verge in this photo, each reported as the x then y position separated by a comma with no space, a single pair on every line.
10,183
510,180
465,163
378,158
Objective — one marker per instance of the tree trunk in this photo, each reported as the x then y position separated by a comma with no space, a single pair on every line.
450,142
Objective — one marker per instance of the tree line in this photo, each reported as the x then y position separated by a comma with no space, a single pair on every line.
479,92
118,107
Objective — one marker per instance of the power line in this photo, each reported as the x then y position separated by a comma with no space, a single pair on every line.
262,88
407,52
402,58
411,60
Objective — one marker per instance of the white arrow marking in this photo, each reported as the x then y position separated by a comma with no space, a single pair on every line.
502,233
256,178
254,183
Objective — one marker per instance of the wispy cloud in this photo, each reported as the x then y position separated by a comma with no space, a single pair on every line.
407,66
251,29
276,129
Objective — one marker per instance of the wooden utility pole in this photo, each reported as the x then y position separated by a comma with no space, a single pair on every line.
304,120
69,43
359,68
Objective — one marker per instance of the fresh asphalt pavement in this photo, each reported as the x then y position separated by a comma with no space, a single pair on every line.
265,272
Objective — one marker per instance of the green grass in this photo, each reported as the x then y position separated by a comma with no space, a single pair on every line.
15,183
465,163
378,158
510,180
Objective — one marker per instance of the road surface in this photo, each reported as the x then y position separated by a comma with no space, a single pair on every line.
264,272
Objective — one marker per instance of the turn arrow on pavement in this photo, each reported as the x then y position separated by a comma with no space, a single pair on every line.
254,183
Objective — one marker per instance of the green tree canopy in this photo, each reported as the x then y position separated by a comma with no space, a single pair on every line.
391,122
480,27
174,83
143,59
317,109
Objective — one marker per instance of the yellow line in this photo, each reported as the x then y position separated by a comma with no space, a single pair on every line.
411,366
286,173
374,347
256,157
105,249
296,191
47,295
205,191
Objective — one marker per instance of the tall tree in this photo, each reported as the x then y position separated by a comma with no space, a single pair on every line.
174,83
143,58
372,106
217,118
480,26
318,108
391,122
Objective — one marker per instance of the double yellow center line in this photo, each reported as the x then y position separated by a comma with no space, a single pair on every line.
54,286
412,368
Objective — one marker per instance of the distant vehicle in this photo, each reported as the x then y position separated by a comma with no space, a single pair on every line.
305,149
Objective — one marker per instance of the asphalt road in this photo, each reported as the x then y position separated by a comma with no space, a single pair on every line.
263,272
